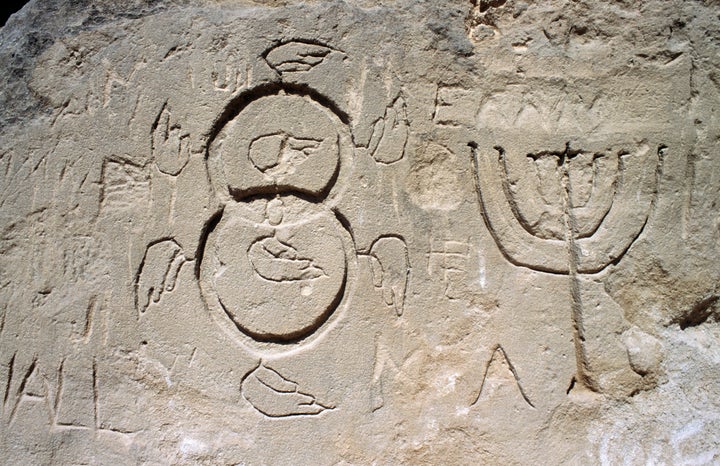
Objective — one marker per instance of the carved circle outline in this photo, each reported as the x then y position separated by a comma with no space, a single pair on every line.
274,349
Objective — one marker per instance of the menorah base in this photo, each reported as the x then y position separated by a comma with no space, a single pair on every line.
614,358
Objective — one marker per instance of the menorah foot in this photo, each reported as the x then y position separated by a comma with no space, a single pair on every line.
614,358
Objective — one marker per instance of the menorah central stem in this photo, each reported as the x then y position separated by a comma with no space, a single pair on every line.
571,233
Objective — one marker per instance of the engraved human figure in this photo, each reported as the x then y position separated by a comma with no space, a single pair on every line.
275,261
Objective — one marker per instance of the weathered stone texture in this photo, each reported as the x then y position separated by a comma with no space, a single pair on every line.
435,232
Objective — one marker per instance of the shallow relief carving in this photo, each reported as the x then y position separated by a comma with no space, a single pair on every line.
276,264
600,200
470,354
276,234
573,212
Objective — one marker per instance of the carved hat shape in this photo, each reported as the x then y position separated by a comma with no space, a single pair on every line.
277,143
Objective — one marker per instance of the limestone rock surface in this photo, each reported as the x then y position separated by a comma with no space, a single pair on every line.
360,232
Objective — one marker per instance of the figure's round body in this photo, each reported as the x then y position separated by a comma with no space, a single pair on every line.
276,268
277,264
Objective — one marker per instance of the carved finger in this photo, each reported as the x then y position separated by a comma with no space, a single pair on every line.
158,273
388,295
274,380
144,293
377,134
160,133
174,271
276,261
390,119
296,56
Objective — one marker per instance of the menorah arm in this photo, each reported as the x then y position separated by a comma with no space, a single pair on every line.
627,216
515,242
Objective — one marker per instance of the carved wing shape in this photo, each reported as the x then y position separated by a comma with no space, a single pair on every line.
390,270
158,273
275,396
296,56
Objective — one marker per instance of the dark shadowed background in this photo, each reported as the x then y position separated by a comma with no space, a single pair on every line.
9,7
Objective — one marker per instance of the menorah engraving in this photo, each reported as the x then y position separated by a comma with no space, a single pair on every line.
572,212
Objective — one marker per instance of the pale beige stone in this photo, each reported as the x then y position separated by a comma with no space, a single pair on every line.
360,232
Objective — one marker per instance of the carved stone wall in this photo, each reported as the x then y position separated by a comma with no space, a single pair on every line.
362,232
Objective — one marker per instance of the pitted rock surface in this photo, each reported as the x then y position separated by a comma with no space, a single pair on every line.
360,232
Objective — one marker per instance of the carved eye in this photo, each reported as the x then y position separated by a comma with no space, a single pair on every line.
278,143
279,153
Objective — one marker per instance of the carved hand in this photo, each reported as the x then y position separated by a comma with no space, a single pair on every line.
387,144
158,273
275,396
390,270
170,147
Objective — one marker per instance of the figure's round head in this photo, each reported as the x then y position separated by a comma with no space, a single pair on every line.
279,142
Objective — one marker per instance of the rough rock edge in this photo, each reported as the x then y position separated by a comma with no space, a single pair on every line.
36,27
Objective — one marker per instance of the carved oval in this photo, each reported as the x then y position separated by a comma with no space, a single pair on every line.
277,283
